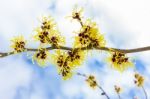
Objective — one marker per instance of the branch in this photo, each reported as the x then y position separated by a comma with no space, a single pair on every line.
83,48
118,96
145,93
103,92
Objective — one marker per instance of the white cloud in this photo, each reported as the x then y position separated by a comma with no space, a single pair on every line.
12,76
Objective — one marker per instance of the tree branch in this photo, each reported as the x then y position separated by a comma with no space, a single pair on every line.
83,48
145,93
103,92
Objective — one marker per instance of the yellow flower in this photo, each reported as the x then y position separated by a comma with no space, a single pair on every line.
76,13
91,81
48,23
76,57
139,80
117,89
60,59
119,61
66,72
42,57
18,44
66,61
48,33
89,36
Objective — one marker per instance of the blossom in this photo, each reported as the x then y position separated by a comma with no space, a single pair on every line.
77,13
18,44
139,80
91,81
119,61
89,36
117,89
67,61
48,33
42,57
76,57
60,59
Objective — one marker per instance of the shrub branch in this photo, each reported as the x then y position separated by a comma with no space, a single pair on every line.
108,49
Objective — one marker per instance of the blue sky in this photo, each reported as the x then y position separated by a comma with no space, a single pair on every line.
124,23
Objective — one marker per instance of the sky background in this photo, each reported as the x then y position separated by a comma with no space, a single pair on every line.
124,23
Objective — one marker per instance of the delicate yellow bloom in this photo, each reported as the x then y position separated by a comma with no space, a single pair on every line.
48,23
66,61
89,35
66,72
76,57
60,59
91,81
18,44
117,89
77,13
119,61
48,33
139,80
42,57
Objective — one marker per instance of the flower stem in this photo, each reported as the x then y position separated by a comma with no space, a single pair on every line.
145,93
103,92
119,96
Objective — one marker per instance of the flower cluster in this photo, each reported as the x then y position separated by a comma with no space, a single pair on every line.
120,61
139,80
18,44
67,61
89,36
91,81
42,57
60,59
48,33
117,89
76,57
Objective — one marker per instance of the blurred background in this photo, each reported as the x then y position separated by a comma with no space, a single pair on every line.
124,23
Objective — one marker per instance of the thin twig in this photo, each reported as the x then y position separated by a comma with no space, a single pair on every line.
104,93
118,95
83,75
81,23
84,48
144,92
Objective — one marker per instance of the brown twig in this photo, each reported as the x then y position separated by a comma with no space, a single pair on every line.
118,96
103,92
84,48
144,92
